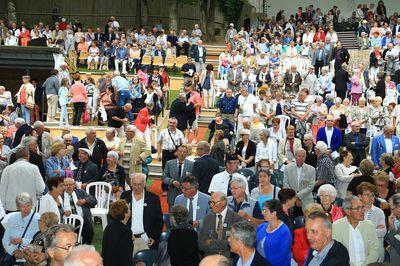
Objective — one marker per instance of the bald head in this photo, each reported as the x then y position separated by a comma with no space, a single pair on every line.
214,260
84,255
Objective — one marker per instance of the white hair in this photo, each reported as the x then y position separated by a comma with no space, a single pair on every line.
328,188
321,146
338,100
139,174
131,128
19,120
38,124
75,257
90,129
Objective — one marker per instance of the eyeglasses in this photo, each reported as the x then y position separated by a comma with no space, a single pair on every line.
359,208
213,203
369,195
68,248
186,188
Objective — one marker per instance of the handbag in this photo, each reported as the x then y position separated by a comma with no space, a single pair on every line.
86,116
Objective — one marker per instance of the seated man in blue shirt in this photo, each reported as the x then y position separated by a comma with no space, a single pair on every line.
227,106
121,57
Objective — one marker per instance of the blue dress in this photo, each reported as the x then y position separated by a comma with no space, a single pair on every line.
275,246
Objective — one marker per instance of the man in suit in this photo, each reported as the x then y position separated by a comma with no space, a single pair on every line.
133,151
44,139
234,77
323,249
340,80
77,201
356,142
147,219
356,234
109,36
242,240
319,58
292,80
175,171
330,135
95,145
86,170
394,230
181,111
212,235
205,167
384,143
288,146
199,55
300,177
264,77
341,55
194,200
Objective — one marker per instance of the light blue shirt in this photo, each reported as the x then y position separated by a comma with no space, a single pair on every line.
248,262
15,226
120,83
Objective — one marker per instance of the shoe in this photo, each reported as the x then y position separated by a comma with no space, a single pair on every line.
153,150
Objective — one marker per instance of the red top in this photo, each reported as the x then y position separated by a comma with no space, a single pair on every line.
336,213
143,119
300,246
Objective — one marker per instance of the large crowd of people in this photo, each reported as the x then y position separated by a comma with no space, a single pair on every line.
301,166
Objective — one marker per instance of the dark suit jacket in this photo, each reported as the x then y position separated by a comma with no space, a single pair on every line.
195,53
108,37
344,55
152,215
89,171
288,80
204,168
182,247
99,155
20,133
340,80
208,232
250,151
35,159
337,255
380,89
117,245
357,150
258,260
98,37
181,112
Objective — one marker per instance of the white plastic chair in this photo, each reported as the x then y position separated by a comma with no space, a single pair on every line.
282,124
103,200
71,220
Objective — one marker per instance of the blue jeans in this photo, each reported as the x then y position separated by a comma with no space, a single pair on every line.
64,115
26,115
123,97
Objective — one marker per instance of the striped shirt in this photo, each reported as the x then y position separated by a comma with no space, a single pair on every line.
166,140
325,169
300,107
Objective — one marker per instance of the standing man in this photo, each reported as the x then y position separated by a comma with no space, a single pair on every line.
228,106
340,80
356,142
121,85
330,135
118,117
341,55
205,167
195,99
234,77
175,172
292,80
188,70
169,140
194,200
44,140
180,110
386,142
323,249
199,55
147,221
77,201
230,33
52,85
356,234
319,58
96,146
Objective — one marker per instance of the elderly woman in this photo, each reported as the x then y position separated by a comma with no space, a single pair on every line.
113,173
275,132
34,254
58,164
111,141
246,149
265,190
366,192
356,87
243,204
324,83
387,163
345,172
26,98
383,191
327,195
219,149
220,124
20,227
338,110
318,114
377,116
117,245
273,236
309,147
361,113
182,241
324,170
51,202
267,149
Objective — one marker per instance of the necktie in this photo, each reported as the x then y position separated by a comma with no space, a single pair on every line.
79,173
73,207
228,193
219,227
180,171
278,109
190,214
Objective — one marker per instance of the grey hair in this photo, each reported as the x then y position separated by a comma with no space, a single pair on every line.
320,215
338,100
173,118
67,136
245,232
26,141
329,96
308,136
265,132
299,150
204,145
131,128
347,202
222,195
395,199
90,129
50,240
74,258
113,154
139,174
23,199
319,97
239,182
321,146
246,119
111,130
19,120
331,190
38,124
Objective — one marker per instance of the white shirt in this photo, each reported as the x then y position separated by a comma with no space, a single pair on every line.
220,182
67,205
389,146
356,246
200,51
137,226
194,203
247,104
299,170
48,204
329,133
223,213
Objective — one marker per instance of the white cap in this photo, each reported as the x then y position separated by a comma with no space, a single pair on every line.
231,25
89,152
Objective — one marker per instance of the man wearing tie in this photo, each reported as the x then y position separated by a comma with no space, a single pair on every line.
77,201
194,200
175,171
319,58
263,78
356,142
384,143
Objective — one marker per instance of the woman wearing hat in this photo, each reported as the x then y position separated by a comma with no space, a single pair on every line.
246,149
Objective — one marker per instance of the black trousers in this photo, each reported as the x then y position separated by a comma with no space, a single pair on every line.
318,65
166,156
78,111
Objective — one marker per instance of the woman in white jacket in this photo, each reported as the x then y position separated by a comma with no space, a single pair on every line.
345,172
267,149
51,202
